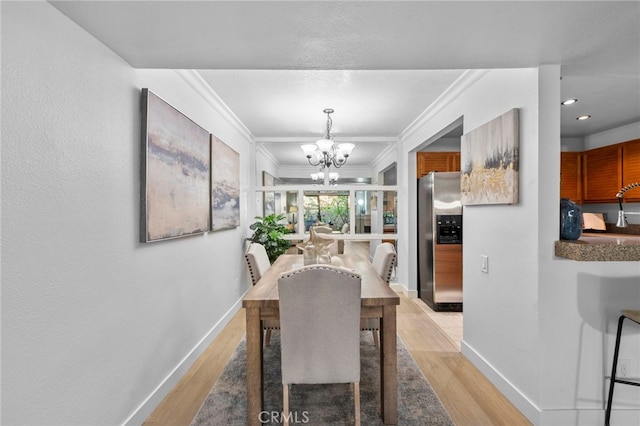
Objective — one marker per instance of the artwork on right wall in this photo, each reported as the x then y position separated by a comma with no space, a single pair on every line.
489,162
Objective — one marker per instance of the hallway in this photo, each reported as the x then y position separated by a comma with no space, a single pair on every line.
467,395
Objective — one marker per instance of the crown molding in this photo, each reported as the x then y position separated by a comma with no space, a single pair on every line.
390,148
195,80
261,149
462,83
311,139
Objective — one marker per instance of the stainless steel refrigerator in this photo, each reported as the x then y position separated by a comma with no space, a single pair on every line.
440,241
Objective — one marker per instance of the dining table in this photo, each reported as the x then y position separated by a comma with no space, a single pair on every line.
261,302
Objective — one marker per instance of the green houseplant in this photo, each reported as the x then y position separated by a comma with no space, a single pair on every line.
269,232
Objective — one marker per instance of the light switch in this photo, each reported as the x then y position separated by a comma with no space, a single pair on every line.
485,264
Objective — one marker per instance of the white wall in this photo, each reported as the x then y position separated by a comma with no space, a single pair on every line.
572,144
609,137
304,172
488,299
444,145
526,323
96,327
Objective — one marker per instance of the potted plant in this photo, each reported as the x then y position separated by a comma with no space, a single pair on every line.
269,231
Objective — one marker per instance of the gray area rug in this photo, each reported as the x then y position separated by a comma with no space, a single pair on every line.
331,404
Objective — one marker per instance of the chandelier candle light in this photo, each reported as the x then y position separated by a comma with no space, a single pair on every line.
325,153
333,177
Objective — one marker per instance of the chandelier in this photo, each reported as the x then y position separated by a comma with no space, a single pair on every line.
319,177
324,153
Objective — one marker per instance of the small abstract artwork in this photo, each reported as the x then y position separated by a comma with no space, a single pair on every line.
225,186
174,174
490,162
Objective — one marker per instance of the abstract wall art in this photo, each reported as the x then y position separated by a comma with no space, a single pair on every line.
225,186
175,173
490,162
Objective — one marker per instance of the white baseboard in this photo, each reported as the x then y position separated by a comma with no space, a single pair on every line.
401,288
555,417
520,401
588,417
153,400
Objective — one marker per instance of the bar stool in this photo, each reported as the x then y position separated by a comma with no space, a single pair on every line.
635,317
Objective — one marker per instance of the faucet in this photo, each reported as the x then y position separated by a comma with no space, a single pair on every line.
622,220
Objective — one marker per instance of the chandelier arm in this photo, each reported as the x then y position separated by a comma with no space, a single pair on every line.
337,165
312,163
334,152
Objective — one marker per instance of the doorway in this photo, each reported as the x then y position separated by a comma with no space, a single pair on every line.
440,154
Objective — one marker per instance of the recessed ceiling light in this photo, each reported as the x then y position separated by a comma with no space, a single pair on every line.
583,117
569,101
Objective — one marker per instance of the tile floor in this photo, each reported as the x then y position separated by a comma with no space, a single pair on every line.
449,322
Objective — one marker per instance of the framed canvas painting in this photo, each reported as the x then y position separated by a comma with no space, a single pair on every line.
489,162
175,173
225,186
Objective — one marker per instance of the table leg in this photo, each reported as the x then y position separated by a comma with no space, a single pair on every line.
255,396
389,366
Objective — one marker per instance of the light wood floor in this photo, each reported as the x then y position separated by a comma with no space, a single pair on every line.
466,394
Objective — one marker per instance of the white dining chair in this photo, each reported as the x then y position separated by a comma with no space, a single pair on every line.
258,263
345,228
319,329
384,259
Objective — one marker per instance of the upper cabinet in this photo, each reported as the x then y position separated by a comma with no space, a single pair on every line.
631,168
602,168
571,176
436,162
596,175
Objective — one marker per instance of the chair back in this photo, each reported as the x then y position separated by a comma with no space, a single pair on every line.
320,325
384,260
257,261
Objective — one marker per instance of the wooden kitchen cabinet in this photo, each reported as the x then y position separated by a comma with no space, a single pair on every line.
596,176
436,162
631,168
571,176
602,174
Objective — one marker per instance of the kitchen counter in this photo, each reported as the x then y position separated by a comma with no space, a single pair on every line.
600,247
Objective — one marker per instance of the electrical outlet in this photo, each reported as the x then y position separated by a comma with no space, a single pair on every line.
623,367
485,264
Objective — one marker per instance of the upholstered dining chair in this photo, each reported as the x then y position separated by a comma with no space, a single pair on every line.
258,263
345,228
320,336
384,259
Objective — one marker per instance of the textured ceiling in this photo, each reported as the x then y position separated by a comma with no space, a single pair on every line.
277,65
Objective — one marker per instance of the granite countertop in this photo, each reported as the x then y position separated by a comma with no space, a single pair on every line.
600,247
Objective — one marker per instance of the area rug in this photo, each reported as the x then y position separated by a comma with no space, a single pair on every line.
332,404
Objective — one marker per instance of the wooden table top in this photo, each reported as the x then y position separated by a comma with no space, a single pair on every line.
375,292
